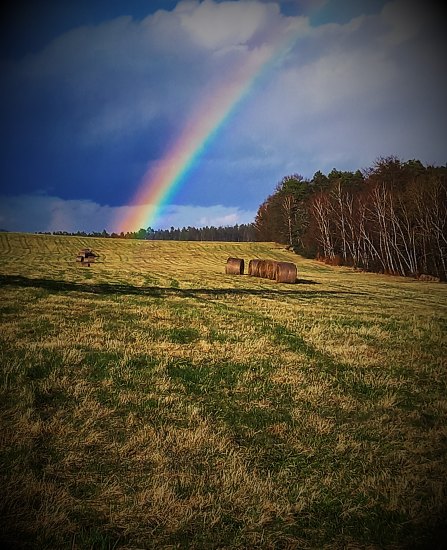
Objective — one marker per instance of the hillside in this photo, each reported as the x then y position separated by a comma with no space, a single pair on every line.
151,401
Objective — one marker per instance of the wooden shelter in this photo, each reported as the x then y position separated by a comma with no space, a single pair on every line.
86,256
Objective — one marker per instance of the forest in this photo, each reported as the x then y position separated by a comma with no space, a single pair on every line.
390,218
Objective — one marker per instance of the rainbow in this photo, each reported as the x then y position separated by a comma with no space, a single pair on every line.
162,180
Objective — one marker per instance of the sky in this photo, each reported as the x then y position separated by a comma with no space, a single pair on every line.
124,114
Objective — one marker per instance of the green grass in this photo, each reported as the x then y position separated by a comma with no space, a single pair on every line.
151,401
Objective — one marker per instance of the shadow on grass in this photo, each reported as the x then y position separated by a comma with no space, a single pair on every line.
158,291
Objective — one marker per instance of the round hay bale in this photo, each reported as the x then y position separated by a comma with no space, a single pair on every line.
254,267
270,267
285,272
261,268
235,266
267,269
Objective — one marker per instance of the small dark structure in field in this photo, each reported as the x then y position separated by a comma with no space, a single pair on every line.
235,266
86,256
285,272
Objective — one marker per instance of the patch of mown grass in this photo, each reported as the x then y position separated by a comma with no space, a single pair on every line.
220,412
255,412
174,283
99,364
97,538
181,335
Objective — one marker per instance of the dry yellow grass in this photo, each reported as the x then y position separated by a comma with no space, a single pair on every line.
151,401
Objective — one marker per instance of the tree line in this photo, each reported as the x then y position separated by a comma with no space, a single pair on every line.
390,218
235,233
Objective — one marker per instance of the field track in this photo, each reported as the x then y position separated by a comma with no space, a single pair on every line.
152,401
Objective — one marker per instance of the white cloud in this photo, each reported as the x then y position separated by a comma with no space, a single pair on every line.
200,216
39,212
347,96
118,77
216,26
121,76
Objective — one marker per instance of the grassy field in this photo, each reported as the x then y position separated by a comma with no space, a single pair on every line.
151,401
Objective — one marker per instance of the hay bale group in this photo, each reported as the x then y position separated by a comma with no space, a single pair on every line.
281,272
